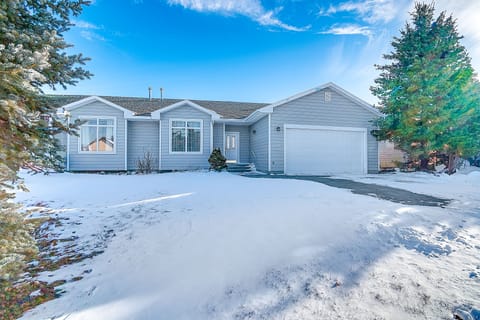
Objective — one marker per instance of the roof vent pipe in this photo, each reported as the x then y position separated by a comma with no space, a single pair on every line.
161,94
149,93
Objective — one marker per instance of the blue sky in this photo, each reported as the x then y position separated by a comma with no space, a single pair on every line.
243,50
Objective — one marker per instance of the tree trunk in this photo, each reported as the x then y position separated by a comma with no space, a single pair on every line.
451,163
424,164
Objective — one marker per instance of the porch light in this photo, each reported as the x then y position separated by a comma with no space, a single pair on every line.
278,129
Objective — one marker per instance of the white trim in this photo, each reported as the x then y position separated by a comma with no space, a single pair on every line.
126,144
159,144
237,133
269,142
285,126
211,136
68,145
215,116
141,119
326,128
378,156
254,117
331,85
231,121
80,103
301,126
224,140
186,134
115,144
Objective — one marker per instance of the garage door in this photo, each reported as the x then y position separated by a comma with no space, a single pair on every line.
325,150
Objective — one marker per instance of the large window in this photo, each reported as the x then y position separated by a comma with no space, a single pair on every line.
186,136
97,135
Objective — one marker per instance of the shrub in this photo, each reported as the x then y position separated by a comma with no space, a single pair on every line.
146,164
217,161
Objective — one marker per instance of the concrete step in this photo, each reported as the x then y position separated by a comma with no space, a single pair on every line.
238,164
239,167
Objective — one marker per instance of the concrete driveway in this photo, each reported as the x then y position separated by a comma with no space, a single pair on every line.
369,189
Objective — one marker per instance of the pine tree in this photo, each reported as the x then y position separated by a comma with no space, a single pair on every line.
32,55
217,161
428,93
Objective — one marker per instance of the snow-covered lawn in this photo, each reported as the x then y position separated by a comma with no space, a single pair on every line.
204,245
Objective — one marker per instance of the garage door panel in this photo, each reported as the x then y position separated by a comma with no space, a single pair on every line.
324,151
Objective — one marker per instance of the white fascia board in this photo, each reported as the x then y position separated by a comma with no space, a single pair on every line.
251,119
77,104
257,115
354,98
331,85
156,114
142,118
232,121
269,108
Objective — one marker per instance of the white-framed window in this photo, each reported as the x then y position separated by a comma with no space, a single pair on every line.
186,136
97,135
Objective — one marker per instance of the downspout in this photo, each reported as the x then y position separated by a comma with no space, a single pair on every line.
68,145
126,144
211,136
159,143
223,151
269,142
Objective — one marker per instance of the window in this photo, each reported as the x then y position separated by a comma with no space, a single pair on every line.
186,136
97,135
231,144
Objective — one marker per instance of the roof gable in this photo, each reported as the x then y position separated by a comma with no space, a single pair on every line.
330,85
85,101
213,114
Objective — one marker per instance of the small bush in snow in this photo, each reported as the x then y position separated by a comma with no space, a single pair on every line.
146,164
217,161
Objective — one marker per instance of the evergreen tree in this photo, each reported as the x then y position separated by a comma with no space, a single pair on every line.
32,55
428,93
217,161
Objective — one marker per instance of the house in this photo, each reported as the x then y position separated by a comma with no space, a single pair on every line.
325,130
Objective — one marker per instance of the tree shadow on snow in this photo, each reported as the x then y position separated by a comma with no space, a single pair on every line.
331,275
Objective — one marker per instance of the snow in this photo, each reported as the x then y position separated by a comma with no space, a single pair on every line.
202,245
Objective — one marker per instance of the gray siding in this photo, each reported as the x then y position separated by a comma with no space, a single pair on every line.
96,162
142,137
219,137
313,110
185,161
244,141
259,144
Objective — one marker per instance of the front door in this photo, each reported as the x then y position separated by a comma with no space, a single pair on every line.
232,146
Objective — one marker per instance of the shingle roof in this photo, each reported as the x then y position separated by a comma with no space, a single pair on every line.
227,109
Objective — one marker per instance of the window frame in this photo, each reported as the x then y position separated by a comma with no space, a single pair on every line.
81,118
170,127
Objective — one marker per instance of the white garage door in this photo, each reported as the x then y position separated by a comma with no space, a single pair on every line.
325,150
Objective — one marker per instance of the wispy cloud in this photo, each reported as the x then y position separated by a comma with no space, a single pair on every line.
86,25
350,29
466,12
371,11
91,36
89,30
249,8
